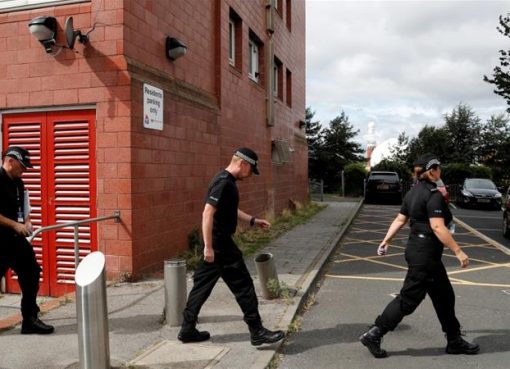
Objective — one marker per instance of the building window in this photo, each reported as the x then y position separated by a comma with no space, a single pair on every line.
288,14
231,42
234,40
30,4
288,80
253,59
278,78
278,6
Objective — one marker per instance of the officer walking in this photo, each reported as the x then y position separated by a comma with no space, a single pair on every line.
15,251
428,213
222,257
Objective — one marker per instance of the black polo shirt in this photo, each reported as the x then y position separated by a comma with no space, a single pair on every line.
9,200
224,196
423,202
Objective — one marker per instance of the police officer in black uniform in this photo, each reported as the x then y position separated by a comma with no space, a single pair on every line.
429,216
15,251
222,257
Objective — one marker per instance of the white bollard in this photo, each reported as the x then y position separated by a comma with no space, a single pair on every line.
92,312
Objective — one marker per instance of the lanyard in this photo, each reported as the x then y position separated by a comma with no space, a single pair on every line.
21,216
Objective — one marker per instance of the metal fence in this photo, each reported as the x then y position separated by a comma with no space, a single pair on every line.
316,189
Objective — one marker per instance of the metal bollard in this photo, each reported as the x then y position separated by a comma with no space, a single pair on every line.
175,291
92,312
268,277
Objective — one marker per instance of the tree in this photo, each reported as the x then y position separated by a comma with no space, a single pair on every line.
314,140
501,74
494,135
400,152
463,135
430,139
337,150
354,175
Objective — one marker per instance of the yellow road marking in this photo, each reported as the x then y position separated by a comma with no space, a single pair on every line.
371,260
480,268
453,281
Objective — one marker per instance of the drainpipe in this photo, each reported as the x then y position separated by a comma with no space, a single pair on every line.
270,62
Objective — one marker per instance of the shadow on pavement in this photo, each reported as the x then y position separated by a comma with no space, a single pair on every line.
341,333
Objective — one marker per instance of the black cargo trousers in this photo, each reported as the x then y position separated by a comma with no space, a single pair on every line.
17,253
426,275
231,267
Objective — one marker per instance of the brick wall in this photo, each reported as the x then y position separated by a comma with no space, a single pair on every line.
158,178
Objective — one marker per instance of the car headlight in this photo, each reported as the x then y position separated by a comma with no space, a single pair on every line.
497,196
467,193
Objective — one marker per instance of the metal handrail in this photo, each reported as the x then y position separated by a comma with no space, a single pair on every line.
75,224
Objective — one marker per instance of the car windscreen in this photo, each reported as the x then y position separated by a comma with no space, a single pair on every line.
484,184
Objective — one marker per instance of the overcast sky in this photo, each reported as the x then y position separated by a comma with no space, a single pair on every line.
401,64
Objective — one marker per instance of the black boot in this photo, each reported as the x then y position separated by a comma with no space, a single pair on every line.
189,333
458,346
263,335
372,340
35,325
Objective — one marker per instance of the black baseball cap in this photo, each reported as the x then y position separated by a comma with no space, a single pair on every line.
20,154
427,161
249,156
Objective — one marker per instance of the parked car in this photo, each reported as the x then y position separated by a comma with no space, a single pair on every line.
383,186
479,192
444,191
506,215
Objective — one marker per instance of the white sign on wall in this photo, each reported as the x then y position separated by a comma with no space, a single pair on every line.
152,107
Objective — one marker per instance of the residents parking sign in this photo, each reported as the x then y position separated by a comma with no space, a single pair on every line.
152,107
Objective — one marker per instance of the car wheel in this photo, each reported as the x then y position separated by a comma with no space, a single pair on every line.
506,230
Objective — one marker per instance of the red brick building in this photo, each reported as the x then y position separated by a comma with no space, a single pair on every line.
85,114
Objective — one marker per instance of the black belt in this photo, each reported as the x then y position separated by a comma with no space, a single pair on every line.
423,235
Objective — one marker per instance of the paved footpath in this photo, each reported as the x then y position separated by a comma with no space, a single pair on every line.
139,339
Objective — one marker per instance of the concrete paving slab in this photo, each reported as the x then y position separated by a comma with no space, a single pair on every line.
174,355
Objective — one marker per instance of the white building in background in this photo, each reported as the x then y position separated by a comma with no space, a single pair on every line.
371,143
382,151
376,153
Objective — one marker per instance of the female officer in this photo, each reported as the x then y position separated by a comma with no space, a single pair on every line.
428,214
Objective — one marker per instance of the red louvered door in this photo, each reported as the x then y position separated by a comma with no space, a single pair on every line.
62,188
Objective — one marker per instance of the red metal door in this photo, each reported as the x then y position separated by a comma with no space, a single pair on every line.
62,188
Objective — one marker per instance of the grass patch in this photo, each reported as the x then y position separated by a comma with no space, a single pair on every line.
253,239
250,240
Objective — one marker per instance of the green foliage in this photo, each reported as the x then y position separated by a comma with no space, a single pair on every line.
429,139
194,254
253,239
463,133
394,166
314,140
455,173
354,175
501,74
400,152
330,149
478,171
334,151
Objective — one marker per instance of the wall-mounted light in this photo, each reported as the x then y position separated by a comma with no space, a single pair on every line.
45,30
174,48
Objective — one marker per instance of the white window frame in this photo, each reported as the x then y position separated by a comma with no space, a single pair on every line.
253,60
232,42
275,80
30,4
